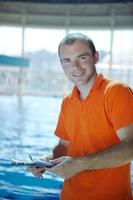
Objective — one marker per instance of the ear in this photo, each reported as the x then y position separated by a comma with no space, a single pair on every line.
96,57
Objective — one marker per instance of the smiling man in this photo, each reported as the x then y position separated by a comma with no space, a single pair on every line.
95,128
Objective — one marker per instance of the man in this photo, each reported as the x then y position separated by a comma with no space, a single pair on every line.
95,128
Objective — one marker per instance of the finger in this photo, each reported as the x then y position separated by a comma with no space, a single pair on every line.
57,160
38,173
35,170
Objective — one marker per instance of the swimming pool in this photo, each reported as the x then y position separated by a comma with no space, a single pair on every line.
26,127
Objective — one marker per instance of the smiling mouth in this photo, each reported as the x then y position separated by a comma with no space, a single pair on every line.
77,75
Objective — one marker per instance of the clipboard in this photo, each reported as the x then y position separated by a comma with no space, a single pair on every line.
36,163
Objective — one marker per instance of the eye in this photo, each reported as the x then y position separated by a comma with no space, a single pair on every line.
83,57
65,61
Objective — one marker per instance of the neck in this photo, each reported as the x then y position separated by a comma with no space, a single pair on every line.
85,89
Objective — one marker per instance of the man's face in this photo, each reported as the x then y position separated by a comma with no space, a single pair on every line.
78,62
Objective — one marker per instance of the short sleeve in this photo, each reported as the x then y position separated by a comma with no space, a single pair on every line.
60,129
120,106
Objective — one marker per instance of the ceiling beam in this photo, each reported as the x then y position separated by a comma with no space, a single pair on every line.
71,1
62,21
120,15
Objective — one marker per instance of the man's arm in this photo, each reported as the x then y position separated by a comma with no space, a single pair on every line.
114,156
60,149
111,157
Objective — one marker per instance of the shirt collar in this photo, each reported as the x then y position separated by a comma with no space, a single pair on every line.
95,86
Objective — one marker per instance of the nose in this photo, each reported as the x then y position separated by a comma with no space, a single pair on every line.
76,64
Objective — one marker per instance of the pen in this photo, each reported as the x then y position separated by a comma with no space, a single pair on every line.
30,157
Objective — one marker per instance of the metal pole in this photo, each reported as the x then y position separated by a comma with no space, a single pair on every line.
67,23
111,46
21,70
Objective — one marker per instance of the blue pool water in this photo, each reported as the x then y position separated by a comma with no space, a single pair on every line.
26,127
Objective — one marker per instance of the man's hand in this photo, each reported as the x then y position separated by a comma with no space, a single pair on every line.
66,166
38,171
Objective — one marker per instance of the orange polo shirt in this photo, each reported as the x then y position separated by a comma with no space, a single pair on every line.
90,126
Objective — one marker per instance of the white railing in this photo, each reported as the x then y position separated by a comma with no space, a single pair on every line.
34,81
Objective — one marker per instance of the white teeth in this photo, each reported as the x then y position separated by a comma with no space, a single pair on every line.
76,75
